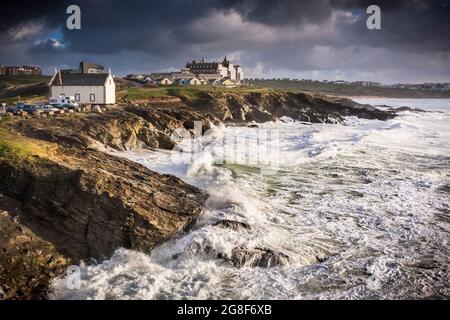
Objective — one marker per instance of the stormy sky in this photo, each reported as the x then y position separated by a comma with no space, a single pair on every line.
315,39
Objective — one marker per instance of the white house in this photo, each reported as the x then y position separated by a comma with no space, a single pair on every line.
190,82
89,88
163,81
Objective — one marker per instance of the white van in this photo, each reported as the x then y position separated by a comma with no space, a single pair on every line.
63,102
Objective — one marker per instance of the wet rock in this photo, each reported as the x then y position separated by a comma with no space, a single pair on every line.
201,247
445,188
231,224
257,257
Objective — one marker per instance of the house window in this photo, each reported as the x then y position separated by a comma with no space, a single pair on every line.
92,97
77,97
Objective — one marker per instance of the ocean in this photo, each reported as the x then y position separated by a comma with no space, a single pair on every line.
359,210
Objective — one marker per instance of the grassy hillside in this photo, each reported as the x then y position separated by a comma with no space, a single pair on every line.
348,90
16,146
28,88
188,93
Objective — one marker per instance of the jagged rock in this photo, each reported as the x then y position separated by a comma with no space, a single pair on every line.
445,188
257,257
234,225
90,203
270,106
27,262
86,204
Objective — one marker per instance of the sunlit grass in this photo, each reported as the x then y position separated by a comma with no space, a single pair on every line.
17,146
189,93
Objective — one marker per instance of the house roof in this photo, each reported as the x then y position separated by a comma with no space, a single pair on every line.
79,79
162,78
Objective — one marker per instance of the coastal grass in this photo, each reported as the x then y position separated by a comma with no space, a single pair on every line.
347,89
22,80
21,147
189,93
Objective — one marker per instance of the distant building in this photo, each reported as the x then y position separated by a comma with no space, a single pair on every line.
367,83
189,82
227,83
202,72
86,67
163,81
89,88
224,69
138,77
22,70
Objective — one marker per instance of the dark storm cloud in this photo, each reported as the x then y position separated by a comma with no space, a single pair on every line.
277,35
14,12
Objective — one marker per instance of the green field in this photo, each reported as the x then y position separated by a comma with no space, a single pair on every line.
13,88
188,93
17,146
347,89
23,80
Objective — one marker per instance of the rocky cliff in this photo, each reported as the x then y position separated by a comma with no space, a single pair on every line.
76,203
272,105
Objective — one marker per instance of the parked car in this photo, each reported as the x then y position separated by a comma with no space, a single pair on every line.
63,102
30,108
47,108
13,110
19,106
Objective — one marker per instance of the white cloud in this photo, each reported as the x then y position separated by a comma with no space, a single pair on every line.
26,30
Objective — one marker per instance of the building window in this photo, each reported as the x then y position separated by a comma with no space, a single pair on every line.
92,97
77,97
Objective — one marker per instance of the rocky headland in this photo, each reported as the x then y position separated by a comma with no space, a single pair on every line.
64,199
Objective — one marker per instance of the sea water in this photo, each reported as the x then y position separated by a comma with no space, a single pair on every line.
362,210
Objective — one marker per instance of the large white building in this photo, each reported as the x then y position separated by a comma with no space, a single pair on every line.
224,69
88,88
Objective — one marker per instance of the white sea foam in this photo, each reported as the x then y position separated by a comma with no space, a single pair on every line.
359,209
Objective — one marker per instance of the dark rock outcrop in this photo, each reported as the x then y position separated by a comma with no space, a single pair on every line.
240,256
257,257
83,204
90,203
27,262
233,225
272,105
